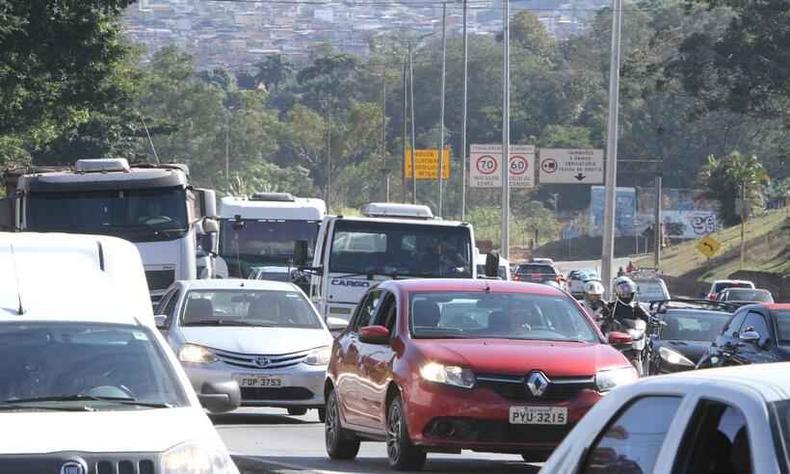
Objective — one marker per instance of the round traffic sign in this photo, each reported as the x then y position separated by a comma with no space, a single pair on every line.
549,165
486,164
518,165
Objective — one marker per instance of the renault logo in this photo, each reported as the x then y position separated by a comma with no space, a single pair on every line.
537,383
73,467
262,362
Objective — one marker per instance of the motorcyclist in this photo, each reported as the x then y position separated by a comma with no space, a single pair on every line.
593,301
624,306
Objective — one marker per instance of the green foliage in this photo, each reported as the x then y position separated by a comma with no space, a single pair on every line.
726,178
488,224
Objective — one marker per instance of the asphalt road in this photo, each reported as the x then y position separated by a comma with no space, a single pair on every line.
269,441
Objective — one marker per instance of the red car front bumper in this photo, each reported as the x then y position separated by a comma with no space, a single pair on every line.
448,418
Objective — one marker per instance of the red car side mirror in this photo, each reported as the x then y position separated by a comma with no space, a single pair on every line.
619,339
374,335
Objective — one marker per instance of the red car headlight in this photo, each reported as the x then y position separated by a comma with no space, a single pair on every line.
448,374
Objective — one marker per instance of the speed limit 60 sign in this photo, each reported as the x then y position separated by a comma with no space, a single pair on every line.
485,170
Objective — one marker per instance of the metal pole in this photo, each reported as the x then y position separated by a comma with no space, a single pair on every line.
657,230
328,156
441,107
505,247
413,130
607,252
464,112
227,152
743,221
403,138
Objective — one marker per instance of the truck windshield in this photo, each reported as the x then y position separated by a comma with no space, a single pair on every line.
401,249
138,215
84,366
254,243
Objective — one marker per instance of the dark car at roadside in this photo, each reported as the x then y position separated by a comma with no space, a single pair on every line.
684,334
537,273
756,334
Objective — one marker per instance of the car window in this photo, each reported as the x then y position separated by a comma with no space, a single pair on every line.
387,313
683,325
246,307
170,308
756,322
716,440
734,326
630,443
782,319
367,309
542,269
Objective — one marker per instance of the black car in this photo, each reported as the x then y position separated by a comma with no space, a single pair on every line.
685,331
537,273
756,334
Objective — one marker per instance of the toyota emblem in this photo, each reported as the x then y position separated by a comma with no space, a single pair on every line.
73,467
537,383
262,362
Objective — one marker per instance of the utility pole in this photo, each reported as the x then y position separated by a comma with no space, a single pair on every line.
227,152
607,253
413,130
403,137
441,107
743,222
657,228
328,156
383,144
464,112
505,246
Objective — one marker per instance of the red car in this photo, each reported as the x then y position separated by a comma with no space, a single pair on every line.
446,365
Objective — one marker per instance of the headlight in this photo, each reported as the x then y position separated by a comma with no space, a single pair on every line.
207,457
319,356
673,357
448,374
606,380
196,354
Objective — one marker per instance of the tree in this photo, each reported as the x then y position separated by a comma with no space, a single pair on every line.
726,178
273,71
529,34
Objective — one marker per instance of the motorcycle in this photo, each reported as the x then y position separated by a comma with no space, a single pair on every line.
640,350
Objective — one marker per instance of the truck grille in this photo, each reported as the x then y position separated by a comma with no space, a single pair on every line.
160,279
96,463
515,387
261,361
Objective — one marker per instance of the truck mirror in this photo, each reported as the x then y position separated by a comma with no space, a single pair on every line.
210,225
209,243
300,253
207,202
492,265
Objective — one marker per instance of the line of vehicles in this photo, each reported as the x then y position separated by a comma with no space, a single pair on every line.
391,325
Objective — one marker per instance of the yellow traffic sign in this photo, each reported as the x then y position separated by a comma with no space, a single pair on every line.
708,246
427,163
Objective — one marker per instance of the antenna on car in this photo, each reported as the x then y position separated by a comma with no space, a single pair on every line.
20,309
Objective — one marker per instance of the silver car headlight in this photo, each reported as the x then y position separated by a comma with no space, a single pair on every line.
606,380
195,354
448,374
198,457
674,357
319,356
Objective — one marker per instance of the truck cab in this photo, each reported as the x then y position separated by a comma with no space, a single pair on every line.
389,241
260,231
152,206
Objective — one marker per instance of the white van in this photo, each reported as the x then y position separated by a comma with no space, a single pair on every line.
87,384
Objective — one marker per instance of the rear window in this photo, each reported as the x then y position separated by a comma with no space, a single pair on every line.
651,290
782,318
719,287
746,294
542,269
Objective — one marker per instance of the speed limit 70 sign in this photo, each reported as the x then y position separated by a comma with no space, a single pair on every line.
486,166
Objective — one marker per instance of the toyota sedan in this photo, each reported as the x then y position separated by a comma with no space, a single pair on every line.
447,365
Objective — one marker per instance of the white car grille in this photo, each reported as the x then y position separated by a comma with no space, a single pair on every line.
261,361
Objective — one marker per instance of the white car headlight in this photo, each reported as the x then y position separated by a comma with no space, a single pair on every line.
674,357
319,356
195,354
606,380
448,374
199,457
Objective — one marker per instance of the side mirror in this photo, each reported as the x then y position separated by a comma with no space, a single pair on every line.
207,202
619,339
750,335
374,335
210,225
219,397
336,324
209,243
492,265
160,320
300,253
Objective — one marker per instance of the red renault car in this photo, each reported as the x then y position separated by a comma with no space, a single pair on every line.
446,365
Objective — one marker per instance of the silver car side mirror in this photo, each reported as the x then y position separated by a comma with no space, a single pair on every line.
750,335
160,320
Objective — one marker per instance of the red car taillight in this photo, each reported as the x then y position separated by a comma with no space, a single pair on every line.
516,277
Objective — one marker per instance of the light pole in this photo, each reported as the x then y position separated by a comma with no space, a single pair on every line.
607,253
505,246
413,126
441,107
464,112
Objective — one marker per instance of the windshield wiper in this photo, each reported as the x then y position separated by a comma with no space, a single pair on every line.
227,322
77,397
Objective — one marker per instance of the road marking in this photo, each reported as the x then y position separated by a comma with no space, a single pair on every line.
279,464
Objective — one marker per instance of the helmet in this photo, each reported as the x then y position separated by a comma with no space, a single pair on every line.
624,289
593,288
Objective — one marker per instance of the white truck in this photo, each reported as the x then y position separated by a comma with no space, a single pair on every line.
258,233
153,206
389,241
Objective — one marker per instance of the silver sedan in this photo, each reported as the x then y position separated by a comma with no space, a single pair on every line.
264,334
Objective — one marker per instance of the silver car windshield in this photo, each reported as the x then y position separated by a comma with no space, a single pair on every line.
239,307
84,366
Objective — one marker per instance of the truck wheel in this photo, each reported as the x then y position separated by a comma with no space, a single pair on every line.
402,454
340,444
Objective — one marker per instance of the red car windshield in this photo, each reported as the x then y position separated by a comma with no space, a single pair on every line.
482,315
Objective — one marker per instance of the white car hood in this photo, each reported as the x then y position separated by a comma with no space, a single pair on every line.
153,430
248,340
